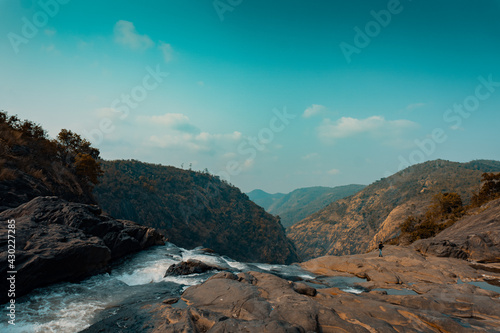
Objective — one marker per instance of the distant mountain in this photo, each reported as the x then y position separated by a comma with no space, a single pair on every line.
193,209
355,224
300,203
264,199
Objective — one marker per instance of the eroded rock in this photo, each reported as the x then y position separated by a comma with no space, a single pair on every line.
58,241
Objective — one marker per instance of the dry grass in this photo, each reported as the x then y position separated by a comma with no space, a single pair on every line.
7,174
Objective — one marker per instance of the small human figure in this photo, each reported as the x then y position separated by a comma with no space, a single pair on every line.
380,247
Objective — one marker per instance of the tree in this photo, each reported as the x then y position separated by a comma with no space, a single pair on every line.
87,168
446,204
73,144
490,189
78,154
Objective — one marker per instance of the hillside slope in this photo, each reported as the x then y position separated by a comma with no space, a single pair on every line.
355,224
303,202
193,209
264,199
475,237
33,165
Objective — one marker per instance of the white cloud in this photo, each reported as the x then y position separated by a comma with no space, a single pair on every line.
415,106
313,110
181,133
126,34
174,121
333,172
206,137
51,48
375,125
166,50
310,156
177,140
50,32
107,112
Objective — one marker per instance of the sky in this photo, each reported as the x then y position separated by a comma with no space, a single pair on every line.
275,95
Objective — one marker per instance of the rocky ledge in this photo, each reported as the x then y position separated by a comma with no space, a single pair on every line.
56,240
435,295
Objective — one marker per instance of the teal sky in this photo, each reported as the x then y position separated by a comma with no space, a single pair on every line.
270,94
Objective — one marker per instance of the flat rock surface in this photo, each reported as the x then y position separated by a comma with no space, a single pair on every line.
441,299
56,240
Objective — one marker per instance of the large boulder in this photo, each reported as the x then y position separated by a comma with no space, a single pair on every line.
56,240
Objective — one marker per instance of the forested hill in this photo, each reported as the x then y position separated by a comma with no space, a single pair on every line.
355,224
302,202
193,209
32,164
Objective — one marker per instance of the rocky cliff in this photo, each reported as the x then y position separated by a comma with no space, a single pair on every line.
357,223
56,240
193,209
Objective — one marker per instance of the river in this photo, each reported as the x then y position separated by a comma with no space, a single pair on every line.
72,307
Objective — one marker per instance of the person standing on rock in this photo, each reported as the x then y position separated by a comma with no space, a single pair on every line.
380,247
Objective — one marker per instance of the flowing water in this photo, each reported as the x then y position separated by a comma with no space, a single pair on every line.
72,307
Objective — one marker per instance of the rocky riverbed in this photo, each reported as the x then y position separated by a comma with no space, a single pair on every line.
404,291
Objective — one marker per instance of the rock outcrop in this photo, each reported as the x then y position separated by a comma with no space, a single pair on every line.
56,240
191,266
475,237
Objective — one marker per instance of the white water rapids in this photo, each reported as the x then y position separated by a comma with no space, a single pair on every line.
72,307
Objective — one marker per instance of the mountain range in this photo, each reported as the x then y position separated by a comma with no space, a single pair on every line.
302,202
356,224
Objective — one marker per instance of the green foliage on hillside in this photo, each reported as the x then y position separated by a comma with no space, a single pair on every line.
301,203
264,199
193,209
32,164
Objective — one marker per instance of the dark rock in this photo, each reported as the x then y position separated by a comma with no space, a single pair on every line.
191,266
59,241
172,300
304,289
207,250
